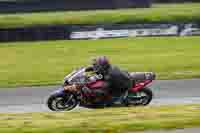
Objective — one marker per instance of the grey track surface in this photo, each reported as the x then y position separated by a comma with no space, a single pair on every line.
33,99
189,130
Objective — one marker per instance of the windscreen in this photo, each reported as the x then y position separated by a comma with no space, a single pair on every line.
77,76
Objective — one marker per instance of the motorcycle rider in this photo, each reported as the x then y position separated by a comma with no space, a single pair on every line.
116,80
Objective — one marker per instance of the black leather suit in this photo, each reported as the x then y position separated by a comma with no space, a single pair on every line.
116,81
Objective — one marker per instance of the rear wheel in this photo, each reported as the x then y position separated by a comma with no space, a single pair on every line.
142,97
57,102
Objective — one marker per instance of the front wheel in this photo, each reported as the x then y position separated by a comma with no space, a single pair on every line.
58,102
142,97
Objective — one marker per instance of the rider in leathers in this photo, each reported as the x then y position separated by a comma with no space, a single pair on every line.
116,80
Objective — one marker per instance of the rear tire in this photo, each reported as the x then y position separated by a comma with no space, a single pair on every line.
146,95
57,102
149,96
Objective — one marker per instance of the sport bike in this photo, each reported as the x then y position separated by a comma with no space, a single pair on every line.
78,87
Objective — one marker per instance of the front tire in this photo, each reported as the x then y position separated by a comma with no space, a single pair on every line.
58,102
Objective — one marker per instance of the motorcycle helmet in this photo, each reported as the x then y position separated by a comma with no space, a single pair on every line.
101,64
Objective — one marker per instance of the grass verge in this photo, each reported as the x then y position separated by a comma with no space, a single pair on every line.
111,120
187,12
46,63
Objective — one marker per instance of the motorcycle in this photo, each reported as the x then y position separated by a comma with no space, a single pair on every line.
78,86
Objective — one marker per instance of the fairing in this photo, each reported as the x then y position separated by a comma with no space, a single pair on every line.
96,85
140,85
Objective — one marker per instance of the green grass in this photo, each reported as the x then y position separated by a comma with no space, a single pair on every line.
158,13
113,120
46,63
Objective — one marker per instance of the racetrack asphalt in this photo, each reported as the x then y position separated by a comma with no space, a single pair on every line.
33,99
187,130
